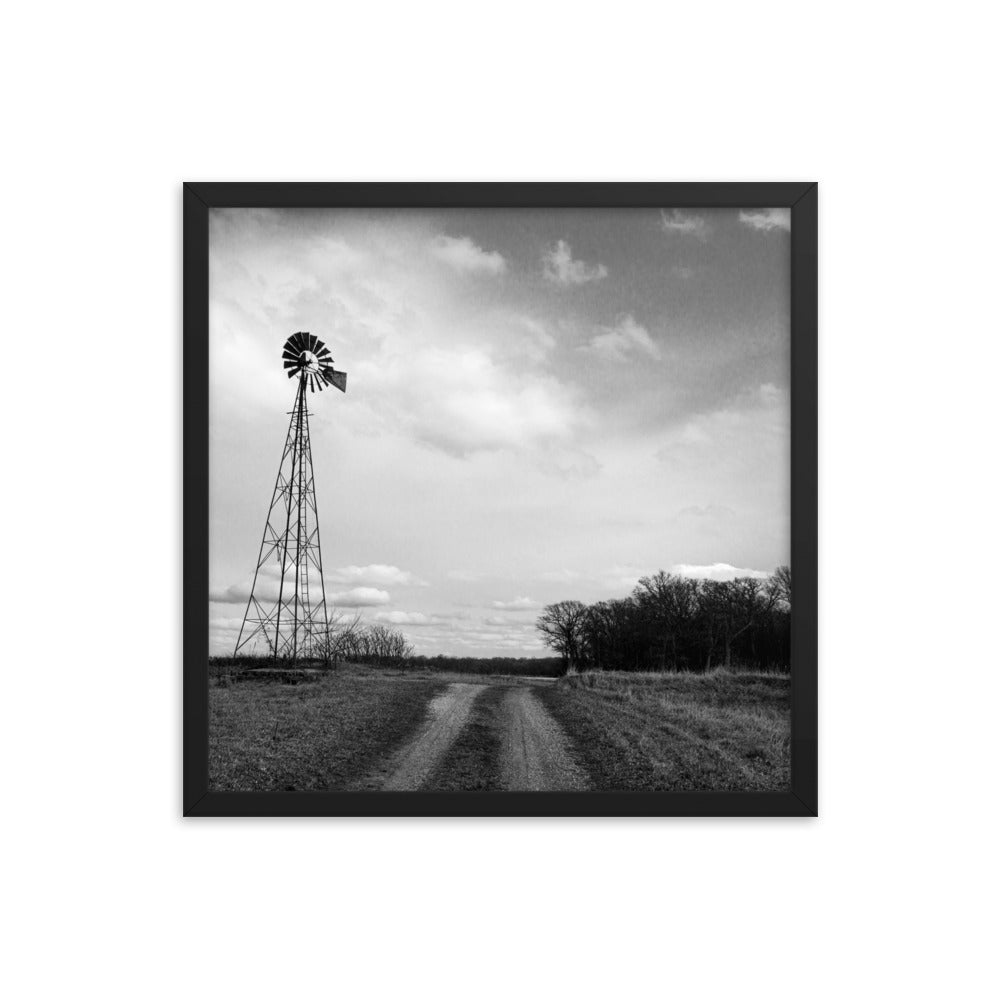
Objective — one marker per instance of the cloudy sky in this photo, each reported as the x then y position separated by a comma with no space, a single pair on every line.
541,405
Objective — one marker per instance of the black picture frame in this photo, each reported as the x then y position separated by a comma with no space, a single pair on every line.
801,198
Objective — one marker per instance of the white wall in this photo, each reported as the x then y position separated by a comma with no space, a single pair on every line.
110,106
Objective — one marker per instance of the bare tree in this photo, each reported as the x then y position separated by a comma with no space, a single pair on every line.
342,636
781,583
669,605
609,635
733,608
562,627
675,623
383,646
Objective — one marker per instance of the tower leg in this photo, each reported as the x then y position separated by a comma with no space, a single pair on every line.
280,615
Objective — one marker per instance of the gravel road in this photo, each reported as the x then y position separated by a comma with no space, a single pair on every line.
448,713
535,750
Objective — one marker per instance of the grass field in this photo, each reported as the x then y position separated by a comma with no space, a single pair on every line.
266,736
629,732
678,732
418,666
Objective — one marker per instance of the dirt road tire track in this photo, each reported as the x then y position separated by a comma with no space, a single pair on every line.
448,714
536,754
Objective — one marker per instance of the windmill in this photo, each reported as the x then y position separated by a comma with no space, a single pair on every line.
283,609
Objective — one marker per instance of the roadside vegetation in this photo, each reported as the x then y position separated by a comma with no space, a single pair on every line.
509,666
716,731
325,735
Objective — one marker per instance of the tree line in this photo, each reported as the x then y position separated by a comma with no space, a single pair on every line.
672,623
376,644
515,666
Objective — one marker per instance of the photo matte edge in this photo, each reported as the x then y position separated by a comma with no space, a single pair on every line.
801,198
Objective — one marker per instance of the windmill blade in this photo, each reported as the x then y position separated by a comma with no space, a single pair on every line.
316,375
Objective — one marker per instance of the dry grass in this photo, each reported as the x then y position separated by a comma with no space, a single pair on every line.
678,732
266,736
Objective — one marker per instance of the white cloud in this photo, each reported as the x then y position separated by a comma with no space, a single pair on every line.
225,625
626,338
560,267
618,581
436,633
766,219
676,221
747,430
359,597
518,604
268,585
377,574
716,571
408,618
235,594
461,401
530,338
463,255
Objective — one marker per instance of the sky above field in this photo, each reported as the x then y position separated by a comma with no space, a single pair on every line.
541,405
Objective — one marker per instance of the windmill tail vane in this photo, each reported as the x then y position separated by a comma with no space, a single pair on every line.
286,611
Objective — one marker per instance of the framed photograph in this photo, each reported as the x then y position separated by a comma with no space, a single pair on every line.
492,495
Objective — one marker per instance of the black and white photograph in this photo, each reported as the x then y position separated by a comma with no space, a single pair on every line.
499,499
416,417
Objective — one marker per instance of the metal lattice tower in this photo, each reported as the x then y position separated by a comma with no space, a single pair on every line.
287,605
